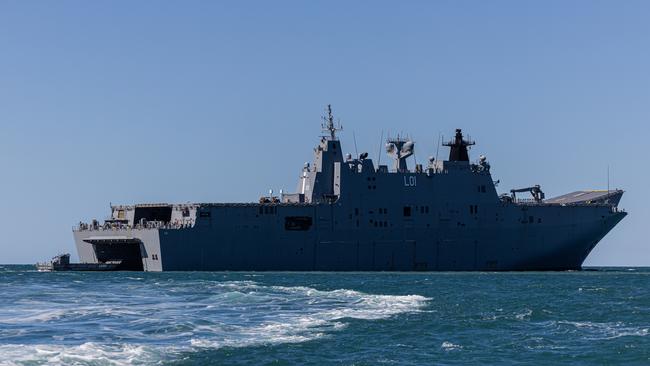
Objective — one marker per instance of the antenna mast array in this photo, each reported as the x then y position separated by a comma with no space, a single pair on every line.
328,123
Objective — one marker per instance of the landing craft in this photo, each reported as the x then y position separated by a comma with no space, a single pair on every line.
350,215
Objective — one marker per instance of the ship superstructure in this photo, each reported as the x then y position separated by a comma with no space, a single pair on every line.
350,215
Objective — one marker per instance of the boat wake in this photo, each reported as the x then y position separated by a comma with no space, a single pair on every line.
162,320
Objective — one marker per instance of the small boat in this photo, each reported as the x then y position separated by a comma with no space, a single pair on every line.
61,262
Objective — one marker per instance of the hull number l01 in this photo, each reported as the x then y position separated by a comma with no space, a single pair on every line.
410,181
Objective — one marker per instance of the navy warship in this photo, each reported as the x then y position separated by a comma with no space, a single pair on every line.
350,215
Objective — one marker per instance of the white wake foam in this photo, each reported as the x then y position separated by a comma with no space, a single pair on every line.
85,354
147,328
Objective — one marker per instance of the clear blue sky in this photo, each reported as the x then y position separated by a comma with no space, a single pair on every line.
129,102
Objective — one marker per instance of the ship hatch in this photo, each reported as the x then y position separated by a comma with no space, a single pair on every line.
127,251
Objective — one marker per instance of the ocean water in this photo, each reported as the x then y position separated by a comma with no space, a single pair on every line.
129,318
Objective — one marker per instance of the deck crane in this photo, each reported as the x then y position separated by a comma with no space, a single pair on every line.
535,191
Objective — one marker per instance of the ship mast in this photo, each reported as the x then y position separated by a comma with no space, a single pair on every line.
328,124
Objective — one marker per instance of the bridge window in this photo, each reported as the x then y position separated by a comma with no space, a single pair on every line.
407,211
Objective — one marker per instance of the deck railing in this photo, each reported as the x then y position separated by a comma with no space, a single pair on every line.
148,225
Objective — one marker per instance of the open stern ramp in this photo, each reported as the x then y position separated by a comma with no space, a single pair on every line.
137,250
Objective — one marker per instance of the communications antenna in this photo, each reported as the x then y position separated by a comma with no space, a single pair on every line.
438,147
381,140
328,123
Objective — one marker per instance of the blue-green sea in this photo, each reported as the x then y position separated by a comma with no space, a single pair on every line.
598,316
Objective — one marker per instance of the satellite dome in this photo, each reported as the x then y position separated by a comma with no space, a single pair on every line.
408,146
390,147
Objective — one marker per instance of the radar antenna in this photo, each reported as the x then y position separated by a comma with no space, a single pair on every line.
328,123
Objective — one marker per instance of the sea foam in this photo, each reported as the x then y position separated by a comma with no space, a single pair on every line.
154,326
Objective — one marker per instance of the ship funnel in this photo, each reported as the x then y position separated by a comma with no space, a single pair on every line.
458,147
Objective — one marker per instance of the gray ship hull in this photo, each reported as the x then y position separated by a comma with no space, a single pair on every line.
348,215
263,244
